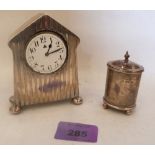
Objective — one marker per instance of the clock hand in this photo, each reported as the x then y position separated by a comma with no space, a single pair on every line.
49,47
47,54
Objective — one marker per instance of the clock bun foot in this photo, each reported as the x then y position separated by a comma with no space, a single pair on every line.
129,112
77,100
14,109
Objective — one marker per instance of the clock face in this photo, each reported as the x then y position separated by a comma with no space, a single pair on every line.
46,53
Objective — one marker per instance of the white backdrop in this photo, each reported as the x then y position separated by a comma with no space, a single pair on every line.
104,35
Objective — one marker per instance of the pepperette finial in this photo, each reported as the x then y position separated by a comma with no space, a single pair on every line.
126,56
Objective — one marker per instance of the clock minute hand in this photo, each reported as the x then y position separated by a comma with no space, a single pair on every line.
53,51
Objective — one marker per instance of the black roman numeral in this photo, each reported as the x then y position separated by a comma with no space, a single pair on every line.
50,67
61,51
31,58
56,64
32,50
58,44
35,65
36,43
42,39
42,66
60,57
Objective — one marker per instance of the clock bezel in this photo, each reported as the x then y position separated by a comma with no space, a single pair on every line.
47,32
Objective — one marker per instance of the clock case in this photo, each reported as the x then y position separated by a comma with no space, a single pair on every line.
31,87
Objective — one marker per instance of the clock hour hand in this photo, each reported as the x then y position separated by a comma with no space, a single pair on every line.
48,53
49,47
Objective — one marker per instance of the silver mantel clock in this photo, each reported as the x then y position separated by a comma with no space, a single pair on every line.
45,64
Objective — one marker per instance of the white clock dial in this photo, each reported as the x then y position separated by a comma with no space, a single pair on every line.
46,53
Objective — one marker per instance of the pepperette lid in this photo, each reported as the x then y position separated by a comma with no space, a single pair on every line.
125,66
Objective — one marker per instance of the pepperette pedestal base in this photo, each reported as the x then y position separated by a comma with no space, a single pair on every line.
127,110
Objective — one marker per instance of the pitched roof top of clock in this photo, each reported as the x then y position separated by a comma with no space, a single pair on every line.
38,23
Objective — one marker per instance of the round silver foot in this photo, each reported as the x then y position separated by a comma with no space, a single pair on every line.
105,106
129,112
15,109
77,100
